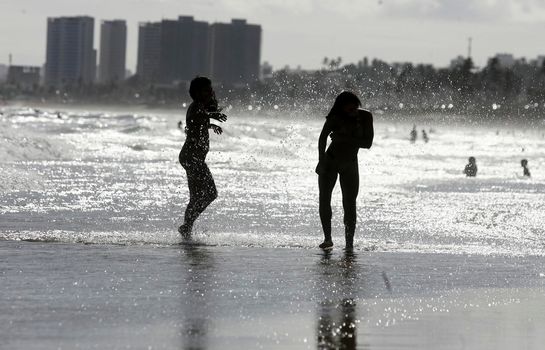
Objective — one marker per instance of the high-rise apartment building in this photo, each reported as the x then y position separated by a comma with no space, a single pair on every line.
235,52
149,51
184,49
70,56
113,48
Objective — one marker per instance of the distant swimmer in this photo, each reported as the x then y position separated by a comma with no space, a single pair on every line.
180,125
350,128
524,165
471,168
425,136
202,189
414,134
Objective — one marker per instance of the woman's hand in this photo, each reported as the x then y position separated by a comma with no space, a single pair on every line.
217,129
218,116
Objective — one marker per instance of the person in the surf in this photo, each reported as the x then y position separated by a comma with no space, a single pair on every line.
413,135
350,128
202,189
471,168
425,136
525,170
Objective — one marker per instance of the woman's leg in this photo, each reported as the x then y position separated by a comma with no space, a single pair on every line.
350,185
326,183
208,188
202,192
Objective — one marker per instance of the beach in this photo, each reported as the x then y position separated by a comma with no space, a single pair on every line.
91,259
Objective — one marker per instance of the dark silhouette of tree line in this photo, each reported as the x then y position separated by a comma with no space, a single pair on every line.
406,88
402,88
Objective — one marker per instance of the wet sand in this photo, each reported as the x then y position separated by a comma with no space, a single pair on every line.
68,296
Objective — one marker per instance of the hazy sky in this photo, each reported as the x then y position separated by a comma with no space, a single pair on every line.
302,32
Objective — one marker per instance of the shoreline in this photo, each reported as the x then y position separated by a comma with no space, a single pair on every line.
360,247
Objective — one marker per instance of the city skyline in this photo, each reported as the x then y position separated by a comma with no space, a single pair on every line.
297,34
169,52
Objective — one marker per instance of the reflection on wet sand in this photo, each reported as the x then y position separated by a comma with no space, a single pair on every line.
336,326
196,323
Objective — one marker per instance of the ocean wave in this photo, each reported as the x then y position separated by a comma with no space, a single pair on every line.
22,145
461,184
135,129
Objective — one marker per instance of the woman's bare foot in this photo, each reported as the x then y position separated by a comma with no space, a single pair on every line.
185,230
326,245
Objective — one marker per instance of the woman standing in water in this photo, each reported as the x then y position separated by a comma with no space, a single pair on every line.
350,128
202,189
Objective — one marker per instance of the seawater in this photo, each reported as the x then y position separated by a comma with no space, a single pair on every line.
113,177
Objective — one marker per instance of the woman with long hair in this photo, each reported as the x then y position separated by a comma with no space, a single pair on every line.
202,189
350,128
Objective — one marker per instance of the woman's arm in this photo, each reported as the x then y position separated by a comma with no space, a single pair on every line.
322,141
217,116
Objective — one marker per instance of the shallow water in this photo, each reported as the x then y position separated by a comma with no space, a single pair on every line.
98,177
69,296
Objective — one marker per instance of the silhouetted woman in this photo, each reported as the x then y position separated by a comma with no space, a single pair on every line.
350,128
202,189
